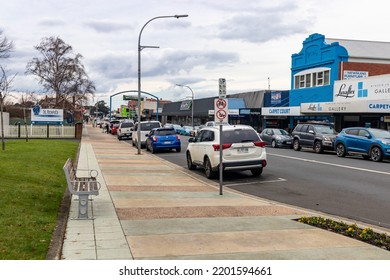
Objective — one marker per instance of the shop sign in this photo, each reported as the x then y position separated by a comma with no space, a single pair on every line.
281,111
335,107
185,105
371,88
46,116
348,74
377,107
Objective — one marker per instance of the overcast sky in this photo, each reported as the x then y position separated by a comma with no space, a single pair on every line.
249,43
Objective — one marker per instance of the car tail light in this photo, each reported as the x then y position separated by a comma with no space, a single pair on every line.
177,137
224,146
264,163
154,139
259,144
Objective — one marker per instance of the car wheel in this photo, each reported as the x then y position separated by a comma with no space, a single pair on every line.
190,165
178,150
376,154
318,147
273,144
257,172
147,147
152,150
340,150
210,174
296,145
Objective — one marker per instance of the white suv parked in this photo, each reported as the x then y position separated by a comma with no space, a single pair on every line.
125,130
242,150
145,127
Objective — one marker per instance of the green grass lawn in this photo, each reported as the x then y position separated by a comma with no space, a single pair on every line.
32,185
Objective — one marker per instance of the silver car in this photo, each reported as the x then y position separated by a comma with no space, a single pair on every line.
276,137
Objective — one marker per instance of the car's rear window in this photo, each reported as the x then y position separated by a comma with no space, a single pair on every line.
163,132
127,124
149,126
239,136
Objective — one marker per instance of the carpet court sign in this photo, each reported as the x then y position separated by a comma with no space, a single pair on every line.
46,116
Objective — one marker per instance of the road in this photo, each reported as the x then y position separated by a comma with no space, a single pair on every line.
349,187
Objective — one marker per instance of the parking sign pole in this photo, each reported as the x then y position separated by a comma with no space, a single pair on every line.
220,161
221,112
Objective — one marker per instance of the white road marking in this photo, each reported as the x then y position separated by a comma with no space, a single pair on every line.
332,164
257,182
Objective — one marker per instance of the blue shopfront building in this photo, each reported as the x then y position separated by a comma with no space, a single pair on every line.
315,69
313,72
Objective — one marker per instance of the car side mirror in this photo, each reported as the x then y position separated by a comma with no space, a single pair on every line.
192,140
368,136
311,131
147,135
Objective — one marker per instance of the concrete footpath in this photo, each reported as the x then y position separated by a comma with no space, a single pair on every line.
149,208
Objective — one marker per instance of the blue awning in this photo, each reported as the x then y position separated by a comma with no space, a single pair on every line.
236,103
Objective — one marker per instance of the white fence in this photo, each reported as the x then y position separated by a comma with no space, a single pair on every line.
39,131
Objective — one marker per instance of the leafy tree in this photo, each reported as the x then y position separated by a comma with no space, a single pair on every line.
100,107
59,70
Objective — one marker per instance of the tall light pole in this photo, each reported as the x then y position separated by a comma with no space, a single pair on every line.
140,48
192,103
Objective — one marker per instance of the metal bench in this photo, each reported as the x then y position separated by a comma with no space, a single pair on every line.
82,186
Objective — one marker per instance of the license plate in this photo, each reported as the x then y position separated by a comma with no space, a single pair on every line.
288,142
167,142
242,150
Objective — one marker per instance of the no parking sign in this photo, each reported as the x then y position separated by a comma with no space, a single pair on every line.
221,110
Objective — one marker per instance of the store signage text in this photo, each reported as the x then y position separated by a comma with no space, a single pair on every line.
380,106
355,74
281,111
346,92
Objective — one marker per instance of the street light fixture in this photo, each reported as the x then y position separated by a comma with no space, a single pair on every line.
140,48
192,104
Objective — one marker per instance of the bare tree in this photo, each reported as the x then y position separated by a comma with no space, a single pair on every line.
6,46
61,71
5,84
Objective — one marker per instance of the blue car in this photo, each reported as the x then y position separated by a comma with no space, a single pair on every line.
369,142
163,138
185,130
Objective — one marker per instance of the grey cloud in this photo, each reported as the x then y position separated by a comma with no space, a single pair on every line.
262,24
175,62
114,67
51,22
107,26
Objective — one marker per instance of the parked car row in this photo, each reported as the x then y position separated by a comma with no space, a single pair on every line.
244,148
371,143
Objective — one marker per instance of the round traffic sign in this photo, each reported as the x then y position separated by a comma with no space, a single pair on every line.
221,114
220,103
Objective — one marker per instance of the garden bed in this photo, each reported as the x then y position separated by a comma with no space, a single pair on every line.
367,235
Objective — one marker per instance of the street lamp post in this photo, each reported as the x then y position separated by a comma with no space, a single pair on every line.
140,48
192,104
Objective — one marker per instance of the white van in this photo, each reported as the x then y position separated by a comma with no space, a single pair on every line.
145,127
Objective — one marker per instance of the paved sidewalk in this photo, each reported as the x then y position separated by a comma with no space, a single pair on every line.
149,208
